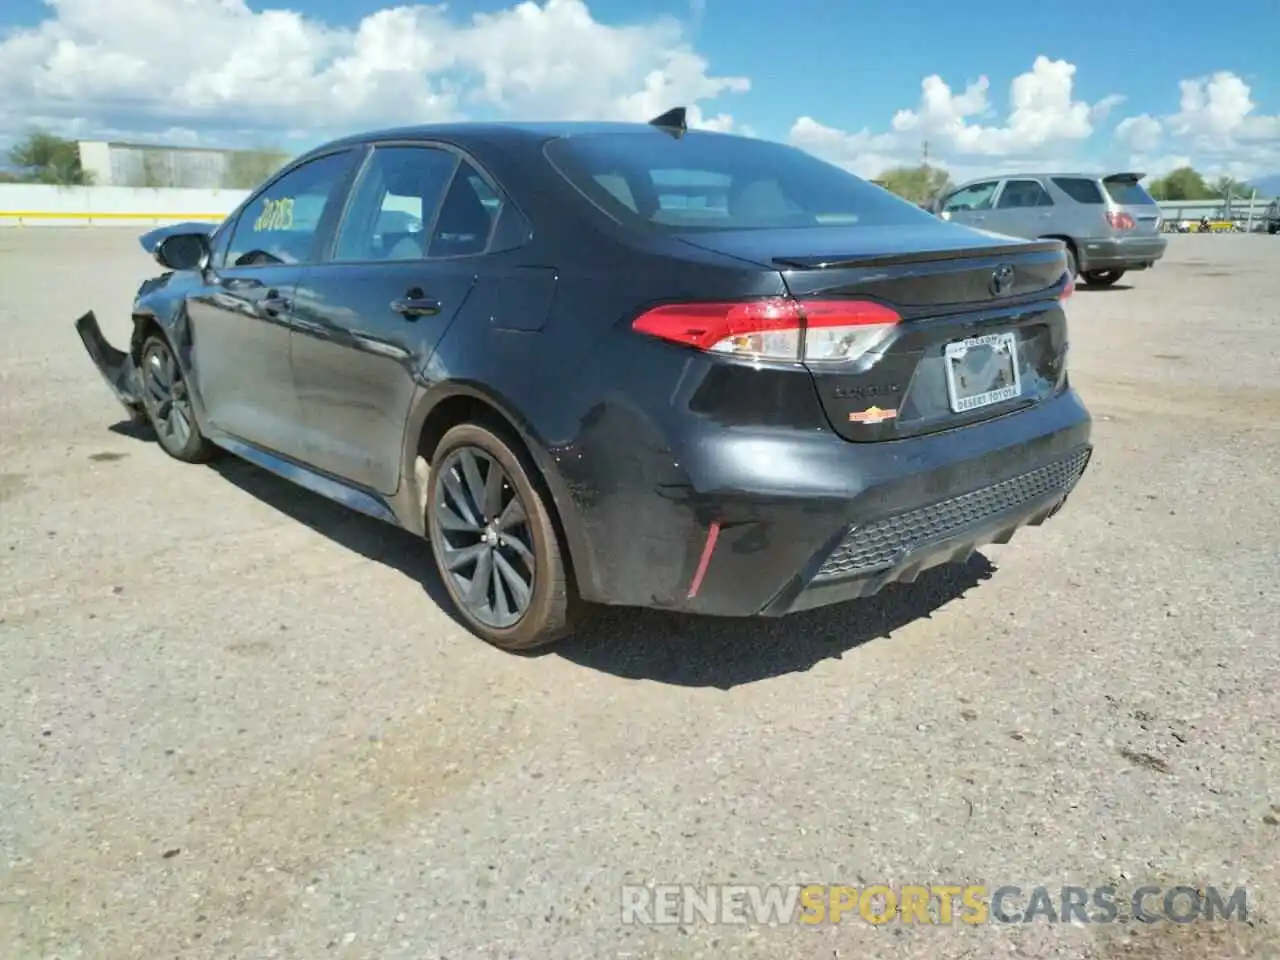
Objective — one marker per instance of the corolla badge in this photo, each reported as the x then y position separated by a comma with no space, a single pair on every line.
1002,280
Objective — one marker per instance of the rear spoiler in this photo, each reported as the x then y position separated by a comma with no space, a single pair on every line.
1129,177
924,256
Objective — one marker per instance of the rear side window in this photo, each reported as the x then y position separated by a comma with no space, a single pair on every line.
1079,189
1128,193
1024,193
393,204
714,182
467,215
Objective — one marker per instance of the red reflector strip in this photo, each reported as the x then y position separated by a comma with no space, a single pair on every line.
713,534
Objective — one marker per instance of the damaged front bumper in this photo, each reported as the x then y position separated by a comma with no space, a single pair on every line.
116,367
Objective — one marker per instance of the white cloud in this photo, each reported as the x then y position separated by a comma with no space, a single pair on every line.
1141,133
1045,121
218,66
1217,129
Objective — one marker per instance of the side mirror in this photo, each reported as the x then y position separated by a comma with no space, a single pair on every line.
183,251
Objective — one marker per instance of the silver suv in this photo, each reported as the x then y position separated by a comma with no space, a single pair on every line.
1109,223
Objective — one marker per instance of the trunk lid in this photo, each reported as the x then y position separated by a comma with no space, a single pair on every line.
949,284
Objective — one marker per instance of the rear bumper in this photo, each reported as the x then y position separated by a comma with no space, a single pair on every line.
1121,253
116,366
775,522
898,548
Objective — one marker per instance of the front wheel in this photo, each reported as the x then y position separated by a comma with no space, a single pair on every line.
495,543
167,402
1102,278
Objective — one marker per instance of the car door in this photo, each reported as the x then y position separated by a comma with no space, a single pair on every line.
1023,208
369,317
970,204
240,316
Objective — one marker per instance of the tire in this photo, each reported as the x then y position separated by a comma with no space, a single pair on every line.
467,547
1102,278
167,402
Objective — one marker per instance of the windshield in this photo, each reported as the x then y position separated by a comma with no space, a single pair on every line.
713,182
1128,193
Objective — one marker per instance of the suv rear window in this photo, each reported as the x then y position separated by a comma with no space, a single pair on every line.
1079,189
1128,193
715,182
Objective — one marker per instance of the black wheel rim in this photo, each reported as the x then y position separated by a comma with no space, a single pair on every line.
484,539
168,401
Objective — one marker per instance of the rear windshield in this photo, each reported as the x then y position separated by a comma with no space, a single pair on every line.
1127,193
713,182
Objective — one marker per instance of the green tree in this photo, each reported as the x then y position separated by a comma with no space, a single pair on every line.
1182,184
1228,187
45,158
917,184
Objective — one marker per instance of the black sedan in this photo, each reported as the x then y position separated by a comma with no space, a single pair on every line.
616,363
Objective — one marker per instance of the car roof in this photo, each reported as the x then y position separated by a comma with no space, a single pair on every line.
500,133
1033,175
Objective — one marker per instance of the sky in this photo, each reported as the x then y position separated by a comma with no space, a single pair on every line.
993,87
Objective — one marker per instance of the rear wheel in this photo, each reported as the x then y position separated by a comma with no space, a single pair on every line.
495,543
167,401
1102,278
1072,267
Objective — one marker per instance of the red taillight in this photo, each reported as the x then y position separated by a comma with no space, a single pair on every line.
776,329
1069,288
1121,221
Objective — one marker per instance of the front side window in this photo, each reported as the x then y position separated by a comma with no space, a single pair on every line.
394,203
977,196
280,225
711,182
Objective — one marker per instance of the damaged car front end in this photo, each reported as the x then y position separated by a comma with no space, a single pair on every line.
175,247
117,367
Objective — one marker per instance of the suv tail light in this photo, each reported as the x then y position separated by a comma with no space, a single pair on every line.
1121,221
775,329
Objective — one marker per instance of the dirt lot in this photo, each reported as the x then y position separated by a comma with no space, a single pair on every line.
234,722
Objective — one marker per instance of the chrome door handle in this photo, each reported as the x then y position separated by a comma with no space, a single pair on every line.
413,307
273,304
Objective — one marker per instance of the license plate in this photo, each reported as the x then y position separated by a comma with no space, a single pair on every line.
982,371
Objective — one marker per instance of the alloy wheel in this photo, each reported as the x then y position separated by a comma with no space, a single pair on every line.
167,399
485,538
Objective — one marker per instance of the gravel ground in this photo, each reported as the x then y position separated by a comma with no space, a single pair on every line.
234,721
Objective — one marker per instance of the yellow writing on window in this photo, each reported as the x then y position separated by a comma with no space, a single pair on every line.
276,215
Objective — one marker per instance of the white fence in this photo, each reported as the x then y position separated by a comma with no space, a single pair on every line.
23,204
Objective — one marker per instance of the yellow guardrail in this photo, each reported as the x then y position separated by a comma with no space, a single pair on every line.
61,215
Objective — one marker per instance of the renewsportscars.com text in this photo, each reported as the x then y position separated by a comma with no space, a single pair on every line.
925,904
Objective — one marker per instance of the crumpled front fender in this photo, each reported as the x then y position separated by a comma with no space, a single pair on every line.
116,366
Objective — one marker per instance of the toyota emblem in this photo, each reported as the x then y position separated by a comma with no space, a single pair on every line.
1002,280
